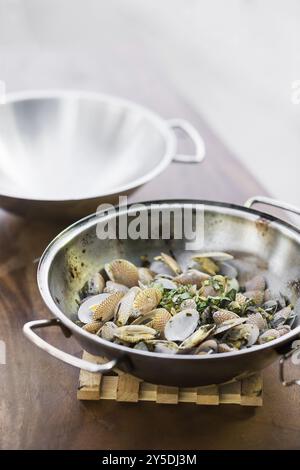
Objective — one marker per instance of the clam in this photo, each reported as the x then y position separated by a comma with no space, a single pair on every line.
215,255
283,329
207,265
206,261
104,311
282,316
268,335
192,276
123,272
197,337
188,303
228,324
93,286
207,347
85,312
160,317
92,327
145,275
222,315
112,286
162,346
107,331
224,348
258,320
208,291
257,283
256,295
165,283
146,300
246,334
125,306
170,262
182,325
134,333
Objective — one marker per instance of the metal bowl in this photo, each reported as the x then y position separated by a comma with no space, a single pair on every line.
77,253
64,152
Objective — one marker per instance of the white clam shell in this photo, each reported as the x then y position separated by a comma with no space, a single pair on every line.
85,314
182,325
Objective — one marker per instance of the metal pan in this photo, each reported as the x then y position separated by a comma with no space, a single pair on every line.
65,152
77,252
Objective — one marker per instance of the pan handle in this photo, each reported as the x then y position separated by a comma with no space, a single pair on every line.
294,353
28,330
273,203
195,137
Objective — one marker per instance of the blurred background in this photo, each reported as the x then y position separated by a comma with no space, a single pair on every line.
237,62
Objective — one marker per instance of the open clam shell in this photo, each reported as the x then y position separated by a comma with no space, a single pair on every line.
170,262
182,325
125,306
112,287
192,276
146,300
135,333
85,312
228,324
105,310
162,346
222,315
197,337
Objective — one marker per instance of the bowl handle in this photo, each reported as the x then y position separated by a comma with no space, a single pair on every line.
195,137
294,353
28,330
272,202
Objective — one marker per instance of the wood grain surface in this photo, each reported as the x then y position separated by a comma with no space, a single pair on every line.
38,405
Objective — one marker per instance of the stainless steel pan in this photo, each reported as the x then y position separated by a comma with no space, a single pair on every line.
77,252
62,153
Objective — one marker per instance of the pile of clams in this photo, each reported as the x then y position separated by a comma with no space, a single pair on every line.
161,308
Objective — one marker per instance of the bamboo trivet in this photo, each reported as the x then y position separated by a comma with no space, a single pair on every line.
124,387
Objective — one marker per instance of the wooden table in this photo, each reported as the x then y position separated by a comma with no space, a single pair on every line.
38,405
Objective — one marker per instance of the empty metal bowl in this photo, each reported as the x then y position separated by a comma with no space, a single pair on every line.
64,152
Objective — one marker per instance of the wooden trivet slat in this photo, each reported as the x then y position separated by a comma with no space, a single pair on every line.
124,387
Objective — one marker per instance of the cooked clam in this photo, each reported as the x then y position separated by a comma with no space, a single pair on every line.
107,331
256,295
258,320
222,315
104,311
257,283
146,300
145,275
123,272
170,262
162,346
182,325
191,276
125,306
243,335
112,286
135,333
268,335
92,327
93,286
197,337
207,347
85,312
